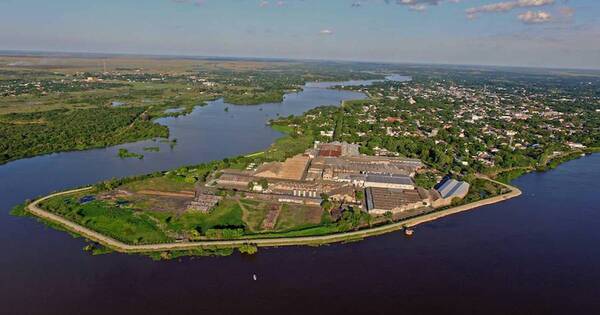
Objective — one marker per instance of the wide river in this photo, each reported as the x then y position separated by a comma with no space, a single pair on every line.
534,254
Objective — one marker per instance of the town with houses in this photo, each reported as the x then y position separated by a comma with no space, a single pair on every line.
471,128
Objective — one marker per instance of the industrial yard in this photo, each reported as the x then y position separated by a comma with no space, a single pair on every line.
335,173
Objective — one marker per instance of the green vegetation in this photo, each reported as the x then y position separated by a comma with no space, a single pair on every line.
124,154
293,143
254,213
96,249
283,128
198,252
168,183
248,249
481,189
255,97
507,176
121,223
19,210
426,180
298,217
29,134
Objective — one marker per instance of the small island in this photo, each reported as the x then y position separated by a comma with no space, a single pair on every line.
126,154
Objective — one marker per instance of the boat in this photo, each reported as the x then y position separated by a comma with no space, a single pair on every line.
408,232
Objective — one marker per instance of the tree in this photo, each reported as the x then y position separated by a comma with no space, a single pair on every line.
326,205
264,183
359,195
248,249
389,216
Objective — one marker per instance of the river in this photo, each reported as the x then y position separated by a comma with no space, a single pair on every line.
534,254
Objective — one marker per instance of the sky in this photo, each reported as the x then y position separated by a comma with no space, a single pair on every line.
538,33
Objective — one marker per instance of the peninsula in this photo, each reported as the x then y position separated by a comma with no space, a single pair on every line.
329,193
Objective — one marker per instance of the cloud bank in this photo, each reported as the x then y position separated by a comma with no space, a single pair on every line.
506,6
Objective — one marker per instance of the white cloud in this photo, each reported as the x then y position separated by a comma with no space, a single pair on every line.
422,5
418,7
506,6
531,17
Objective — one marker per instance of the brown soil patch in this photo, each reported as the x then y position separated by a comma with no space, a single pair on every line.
182,194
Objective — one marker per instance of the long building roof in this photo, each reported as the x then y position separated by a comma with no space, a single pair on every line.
452,187
390,179
389,198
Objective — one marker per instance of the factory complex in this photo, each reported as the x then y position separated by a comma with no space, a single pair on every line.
338,173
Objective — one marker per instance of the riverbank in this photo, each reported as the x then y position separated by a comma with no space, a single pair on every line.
119,246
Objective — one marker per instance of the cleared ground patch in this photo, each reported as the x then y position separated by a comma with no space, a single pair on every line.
294,216
162,184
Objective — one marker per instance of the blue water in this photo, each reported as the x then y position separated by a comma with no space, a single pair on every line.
536,254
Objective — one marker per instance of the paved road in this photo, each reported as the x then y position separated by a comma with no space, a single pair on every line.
265,242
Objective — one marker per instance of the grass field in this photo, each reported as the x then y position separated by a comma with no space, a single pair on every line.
288,146
162,183
296,216
254,213
121,223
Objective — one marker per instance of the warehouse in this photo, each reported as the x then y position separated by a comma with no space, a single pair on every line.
450,188
389,181
382,200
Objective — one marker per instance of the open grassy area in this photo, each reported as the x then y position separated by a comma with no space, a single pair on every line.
295,216
288,146
121,223
282,128
254,213
227,215
138,218
161,183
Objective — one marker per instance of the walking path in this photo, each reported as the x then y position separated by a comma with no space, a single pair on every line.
265,242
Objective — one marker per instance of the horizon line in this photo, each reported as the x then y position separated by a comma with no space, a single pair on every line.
34,52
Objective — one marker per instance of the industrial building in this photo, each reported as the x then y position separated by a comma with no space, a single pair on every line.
293,168
389,181
450,188
381,200
339,171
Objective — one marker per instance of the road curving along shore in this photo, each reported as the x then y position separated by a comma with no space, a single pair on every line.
119,246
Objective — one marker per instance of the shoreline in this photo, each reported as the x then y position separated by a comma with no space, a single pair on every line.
122,247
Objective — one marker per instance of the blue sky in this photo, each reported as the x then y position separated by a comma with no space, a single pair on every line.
549,33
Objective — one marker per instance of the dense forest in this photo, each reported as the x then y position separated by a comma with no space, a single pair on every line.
28,134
